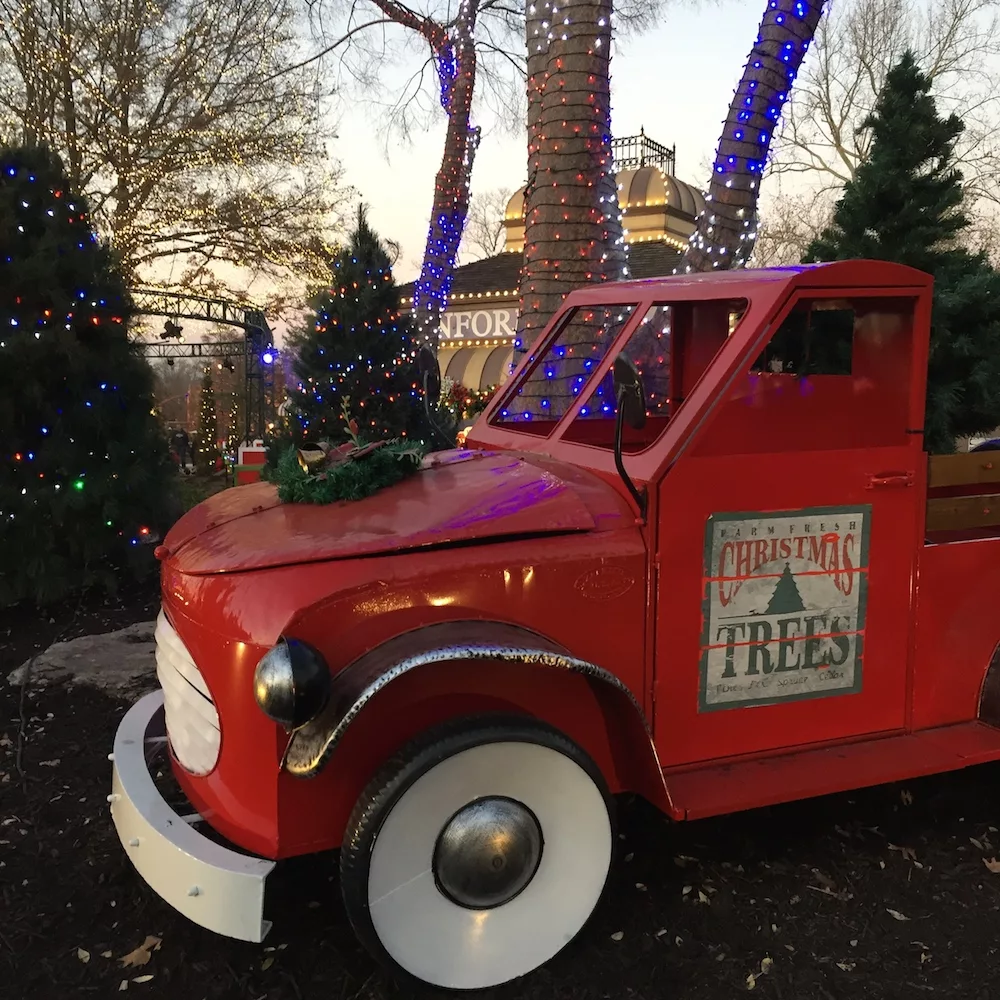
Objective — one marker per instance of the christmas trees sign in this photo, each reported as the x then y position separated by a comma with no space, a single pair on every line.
784,606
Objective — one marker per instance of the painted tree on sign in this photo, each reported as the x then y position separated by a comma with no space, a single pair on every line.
786,599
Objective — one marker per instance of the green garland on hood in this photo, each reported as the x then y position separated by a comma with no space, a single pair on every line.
352,471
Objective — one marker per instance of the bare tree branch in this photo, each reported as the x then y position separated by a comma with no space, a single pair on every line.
957,43
484,227
196,130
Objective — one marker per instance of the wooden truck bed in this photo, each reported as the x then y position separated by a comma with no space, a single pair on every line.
963,496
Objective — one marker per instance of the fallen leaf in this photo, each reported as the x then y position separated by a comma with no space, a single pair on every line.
663,931
267,963
975,843
924,957
142,979
629,856
49,763
83,955
142,954
854,942
765,964
640,887
123,985
896,914
847,966
907,797
824,880
106,954
702,898
993,865
685,890
617,936
751,981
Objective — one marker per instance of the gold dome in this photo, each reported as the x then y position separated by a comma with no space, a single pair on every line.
655,205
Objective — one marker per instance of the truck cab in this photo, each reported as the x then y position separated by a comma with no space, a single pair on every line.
693,550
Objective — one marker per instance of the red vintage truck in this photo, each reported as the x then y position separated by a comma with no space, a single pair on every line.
695,550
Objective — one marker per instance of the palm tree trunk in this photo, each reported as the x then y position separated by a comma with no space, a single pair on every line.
456,59
454,50
573,230
726,229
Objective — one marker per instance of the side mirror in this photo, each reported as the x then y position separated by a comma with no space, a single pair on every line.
629,393
430,373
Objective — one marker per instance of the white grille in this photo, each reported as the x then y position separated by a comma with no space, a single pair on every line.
192,721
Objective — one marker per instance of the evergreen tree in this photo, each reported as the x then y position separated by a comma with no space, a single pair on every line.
786,599
85,476
359,347
208,425
905,205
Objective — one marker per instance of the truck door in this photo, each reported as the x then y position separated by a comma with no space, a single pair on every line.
787,537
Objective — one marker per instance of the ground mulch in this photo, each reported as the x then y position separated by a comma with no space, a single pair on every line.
886,893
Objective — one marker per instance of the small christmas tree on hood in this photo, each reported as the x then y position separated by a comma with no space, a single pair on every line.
358,348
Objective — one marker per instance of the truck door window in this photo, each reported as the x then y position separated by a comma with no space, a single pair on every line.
834,375
671,347
544,393
815,338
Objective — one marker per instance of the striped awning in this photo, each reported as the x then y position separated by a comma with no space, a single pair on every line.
477,367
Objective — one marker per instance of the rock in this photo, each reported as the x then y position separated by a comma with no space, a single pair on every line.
113,660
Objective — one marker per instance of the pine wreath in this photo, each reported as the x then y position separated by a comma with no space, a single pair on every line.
352,471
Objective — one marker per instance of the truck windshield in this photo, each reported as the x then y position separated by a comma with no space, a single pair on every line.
671,348
547,391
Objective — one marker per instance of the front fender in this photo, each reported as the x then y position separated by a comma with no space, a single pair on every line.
478,644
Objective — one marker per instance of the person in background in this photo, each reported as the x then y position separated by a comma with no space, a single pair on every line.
181,443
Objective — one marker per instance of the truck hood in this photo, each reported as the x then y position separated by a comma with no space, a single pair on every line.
469,496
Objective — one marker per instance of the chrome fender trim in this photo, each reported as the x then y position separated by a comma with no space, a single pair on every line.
471,642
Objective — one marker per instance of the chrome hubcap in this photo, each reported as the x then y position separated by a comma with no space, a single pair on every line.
487,852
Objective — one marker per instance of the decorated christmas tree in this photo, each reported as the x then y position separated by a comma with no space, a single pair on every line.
905,205
358,348
85,476
208,425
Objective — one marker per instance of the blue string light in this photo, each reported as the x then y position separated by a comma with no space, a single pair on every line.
719,239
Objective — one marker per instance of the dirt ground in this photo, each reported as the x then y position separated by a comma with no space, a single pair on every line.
887,893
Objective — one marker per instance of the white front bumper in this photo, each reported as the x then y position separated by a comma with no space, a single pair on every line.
217,887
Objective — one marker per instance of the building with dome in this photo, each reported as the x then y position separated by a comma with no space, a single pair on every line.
478,329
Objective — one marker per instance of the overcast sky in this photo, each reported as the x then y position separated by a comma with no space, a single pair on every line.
675,80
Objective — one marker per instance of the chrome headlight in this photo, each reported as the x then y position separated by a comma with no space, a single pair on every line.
291,683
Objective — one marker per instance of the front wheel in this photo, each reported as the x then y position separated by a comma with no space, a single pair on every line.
477,852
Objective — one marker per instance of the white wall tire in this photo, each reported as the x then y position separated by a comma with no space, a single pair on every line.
468,794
